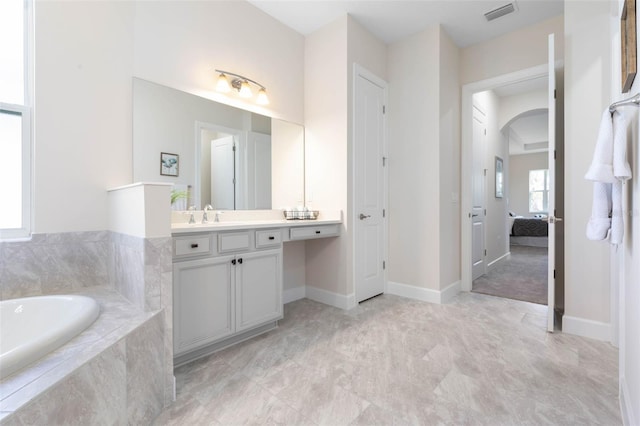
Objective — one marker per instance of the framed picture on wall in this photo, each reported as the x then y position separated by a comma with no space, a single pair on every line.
499,178
169,164
628,40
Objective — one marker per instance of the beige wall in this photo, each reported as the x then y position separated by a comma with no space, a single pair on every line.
83,78
83,69
518,50
414,172
330,54
519,166
626,261
449,180
179,44
587,71
326,115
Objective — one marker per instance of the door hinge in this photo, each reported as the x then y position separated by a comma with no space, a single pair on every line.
485,172
384,109
485,132
554,274
384,265
384,161
555,93
485,252
485,212
384,213
555,154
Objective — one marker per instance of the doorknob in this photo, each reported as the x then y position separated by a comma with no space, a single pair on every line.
474,215
364,216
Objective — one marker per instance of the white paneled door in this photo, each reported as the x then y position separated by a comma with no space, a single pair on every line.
369,185
223,173
479,266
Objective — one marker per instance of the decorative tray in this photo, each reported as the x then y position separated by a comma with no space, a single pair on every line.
301,214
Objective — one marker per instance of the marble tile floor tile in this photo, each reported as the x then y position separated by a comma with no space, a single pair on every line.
479,360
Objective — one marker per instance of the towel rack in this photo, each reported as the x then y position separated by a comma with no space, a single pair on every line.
631,101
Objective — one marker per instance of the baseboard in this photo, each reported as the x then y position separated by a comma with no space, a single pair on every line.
586,328
424,294
626,408
293,294
492,265
330,298
450,291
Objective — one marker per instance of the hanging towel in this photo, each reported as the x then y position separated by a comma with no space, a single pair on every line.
608,170
601,169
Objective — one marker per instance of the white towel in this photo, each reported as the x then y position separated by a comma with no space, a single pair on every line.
601,169
608,170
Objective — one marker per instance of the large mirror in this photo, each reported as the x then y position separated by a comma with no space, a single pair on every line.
220,155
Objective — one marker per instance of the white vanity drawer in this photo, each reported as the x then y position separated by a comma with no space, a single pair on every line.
191,245
308,232
268,238
233,241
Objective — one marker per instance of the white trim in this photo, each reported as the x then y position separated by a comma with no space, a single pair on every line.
424,294
586,328
450,291
499,261
330,298
466,153
626,408
292,294
359,70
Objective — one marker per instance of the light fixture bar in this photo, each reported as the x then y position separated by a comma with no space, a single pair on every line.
241,77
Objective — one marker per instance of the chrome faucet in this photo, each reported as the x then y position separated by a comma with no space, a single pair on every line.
192,218
205,217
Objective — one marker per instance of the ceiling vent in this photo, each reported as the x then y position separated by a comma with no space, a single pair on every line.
501,11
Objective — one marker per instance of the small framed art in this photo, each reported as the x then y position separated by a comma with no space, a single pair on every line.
169,164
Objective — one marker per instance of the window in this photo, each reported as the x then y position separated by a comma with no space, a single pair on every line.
538,191
15,118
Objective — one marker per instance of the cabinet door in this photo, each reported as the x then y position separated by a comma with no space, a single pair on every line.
258,288
203,299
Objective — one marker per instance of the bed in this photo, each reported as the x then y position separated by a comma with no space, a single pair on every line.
526,231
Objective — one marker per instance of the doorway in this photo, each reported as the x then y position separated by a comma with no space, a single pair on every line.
555,292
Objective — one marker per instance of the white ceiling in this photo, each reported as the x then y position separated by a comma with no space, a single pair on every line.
392,20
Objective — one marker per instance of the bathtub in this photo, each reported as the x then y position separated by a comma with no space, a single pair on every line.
31,327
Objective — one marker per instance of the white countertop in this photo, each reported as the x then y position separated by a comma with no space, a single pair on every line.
185,228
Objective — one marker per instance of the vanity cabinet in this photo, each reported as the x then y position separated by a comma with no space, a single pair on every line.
258,285
221,298
203,297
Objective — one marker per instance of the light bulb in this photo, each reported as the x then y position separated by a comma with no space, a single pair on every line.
223,84
262,98
245,90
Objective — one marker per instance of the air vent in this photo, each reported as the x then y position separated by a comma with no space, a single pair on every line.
501,11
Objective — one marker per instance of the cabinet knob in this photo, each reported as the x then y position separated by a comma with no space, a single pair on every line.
317,232
194,245
272,237
240,261
233,261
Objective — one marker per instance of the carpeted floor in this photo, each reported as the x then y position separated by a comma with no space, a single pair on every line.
522,277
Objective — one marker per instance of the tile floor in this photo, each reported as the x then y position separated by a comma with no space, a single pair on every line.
479,360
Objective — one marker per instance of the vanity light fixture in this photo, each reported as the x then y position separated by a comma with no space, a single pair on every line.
241,84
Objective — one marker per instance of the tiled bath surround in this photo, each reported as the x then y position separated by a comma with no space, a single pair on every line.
139,269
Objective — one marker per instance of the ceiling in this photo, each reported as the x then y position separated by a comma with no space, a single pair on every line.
529,133
393,20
